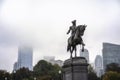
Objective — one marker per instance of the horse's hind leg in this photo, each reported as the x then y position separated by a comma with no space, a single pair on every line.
74,49
75,52
70,53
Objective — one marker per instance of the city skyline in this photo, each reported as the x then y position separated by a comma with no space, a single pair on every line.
43,25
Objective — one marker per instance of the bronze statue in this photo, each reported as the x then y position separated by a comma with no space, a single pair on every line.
76,37
72,28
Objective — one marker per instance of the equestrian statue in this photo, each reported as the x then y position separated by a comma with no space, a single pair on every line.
76,37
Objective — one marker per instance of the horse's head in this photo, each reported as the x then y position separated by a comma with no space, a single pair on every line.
82,29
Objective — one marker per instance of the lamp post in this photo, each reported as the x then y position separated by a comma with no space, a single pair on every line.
5,78
34,78
14,74
60,74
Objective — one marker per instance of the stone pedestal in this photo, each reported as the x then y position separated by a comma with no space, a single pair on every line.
75,69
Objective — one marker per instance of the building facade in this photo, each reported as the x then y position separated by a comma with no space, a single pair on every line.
111,54
16,67
25,58
85,54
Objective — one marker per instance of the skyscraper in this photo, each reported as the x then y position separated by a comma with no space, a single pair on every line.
111,54
15,66
85,54
25,59
98,65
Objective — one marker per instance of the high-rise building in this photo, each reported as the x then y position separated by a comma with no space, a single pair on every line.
25,58
98,66
15,66
85,54
111,54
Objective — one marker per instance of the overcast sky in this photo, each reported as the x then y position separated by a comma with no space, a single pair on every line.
43,24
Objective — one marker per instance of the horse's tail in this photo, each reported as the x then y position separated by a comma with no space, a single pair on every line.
69,44
68,48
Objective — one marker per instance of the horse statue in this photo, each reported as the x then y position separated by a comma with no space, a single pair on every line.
76,39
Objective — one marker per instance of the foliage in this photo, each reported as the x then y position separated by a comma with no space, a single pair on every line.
4,74
91,74
112,72
22,74
46,71
110,75
42,68
42,71
90,69
113,67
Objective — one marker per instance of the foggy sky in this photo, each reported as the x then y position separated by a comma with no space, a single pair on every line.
43,24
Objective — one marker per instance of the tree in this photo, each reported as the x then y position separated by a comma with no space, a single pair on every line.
112,72
110,75
91,74
4,74
55,73
46,71
113,67
42,68
23,74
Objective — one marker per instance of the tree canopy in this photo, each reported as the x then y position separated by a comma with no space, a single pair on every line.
4,74
112,72
113,67
44,70
22,74
110,75
91,73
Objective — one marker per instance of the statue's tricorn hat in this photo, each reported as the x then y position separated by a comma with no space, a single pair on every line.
74,21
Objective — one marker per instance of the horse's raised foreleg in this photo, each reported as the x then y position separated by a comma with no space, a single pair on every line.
71,55
83,46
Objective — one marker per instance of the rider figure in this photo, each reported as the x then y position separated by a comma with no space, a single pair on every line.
72,28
